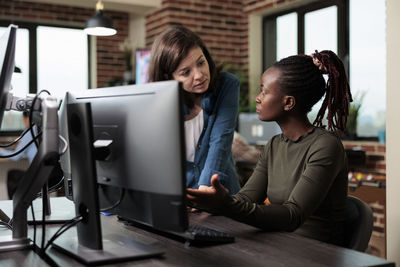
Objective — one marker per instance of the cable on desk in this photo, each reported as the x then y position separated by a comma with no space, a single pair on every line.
22,149
65,145
42,254
62,229
116,203
17,139
31,115
54,188
6,225
43,222
34,224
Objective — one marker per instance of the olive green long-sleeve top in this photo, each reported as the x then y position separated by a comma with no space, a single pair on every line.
306,182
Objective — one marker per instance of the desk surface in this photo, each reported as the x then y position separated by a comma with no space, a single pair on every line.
252,248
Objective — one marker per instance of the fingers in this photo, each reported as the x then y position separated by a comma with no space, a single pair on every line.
196,192
214,180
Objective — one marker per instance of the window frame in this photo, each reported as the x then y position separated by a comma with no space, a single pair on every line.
33,79
269,30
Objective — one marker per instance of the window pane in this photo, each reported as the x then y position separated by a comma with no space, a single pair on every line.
12,120
62,60
286,35
320,28
368,64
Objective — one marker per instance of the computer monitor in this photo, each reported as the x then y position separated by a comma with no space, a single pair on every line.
7,56
257,132
43,163
142,65
139,147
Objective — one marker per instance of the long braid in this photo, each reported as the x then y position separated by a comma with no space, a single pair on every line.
301,76
338,94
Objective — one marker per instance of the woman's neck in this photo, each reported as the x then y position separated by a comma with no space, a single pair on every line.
294,127
195,110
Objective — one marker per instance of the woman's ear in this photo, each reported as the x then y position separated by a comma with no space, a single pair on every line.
290,102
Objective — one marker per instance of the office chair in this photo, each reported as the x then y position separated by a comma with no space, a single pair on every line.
359,223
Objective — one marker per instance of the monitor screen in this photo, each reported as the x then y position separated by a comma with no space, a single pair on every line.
7,55
141,127
257,132
142,65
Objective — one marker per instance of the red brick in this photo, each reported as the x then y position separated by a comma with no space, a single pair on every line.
381,148
368,148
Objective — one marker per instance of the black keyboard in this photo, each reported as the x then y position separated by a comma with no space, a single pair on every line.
195,234
198,233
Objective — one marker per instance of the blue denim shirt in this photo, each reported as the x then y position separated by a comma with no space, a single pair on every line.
213,152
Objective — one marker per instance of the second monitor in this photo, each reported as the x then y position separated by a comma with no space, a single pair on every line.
138,132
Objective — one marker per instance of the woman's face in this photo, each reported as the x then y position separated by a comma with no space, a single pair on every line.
270,101
193,72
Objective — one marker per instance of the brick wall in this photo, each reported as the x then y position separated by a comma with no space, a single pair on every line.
252,6
109,59
375,155
221,24
375,197
378,209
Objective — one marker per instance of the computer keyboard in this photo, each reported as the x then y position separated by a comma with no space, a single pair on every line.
198,233
195,234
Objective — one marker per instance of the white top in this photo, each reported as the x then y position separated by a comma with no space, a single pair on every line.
193,128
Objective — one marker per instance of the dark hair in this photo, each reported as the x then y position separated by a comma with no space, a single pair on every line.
170,48
302,77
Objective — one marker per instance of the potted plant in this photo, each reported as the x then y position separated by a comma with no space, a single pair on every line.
126,48
244,105
352,118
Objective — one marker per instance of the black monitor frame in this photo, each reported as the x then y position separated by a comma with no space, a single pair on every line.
7,63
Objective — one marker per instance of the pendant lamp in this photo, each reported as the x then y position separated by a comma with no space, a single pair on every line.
100,25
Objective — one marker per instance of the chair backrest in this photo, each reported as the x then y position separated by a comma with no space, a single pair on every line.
359,224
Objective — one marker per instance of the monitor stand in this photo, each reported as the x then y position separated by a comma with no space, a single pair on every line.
37,174
89,246
35,177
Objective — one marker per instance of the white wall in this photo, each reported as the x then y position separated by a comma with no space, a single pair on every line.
136,35
393,130
255,55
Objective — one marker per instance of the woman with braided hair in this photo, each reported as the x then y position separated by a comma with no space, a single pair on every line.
302,173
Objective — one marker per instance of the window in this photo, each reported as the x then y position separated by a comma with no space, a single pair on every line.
50,58
320,30
62,60
345,27
368,63
286,35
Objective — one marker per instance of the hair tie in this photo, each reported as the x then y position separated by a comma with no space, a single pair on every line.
315,56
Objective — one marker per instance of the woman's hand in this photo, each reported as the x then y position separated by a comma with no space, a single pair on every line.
208,197
204,187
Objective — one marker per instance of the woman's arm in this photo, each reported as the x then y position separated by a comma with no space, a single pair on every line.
322,167
221,136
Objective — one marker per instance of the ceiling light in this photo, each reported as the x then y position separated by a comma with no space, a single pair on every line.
100,25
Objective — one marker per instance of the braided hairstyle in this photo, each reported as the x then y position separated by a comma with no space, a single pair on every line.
302,77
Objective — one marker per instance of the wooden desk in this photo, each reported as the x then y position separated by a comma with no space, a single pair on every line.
252,248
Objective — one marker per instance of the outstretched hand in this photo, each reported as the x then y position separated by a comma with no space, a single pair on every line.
210,198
